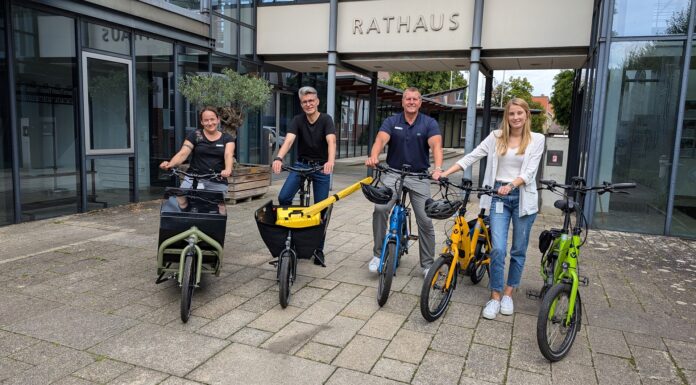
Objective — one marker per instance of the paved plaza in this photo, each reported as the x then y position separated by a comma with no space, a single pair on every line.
80,306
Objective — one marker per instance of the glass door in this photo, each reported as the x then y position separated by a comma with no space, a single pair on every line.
108,117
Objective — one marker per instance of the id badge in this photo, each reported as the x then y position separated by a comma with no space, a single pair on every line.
499,205
201,186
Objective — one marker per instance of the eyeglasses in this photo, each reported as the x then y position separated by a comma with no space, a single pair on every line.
308,102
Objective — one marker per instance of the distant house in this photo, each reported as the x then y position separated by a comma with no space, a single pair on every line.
452,97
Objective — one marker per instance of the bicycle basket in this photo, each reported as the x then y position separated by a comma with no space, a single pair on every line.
545,240
441,208
375,194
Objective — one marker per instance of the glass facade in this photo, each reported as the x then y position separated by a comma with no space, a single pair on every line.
650,17
46,88
638,132
154,125
684,213
6,201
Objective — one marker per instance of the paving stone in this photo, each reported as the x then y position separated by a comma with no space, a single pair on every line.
395,370
321,312
351,377
292,337
524,328
683,353
580,353
38,353
339,331
323,283
413,287
408,346
400,303
261,303
219,306
362,307
76,328
644,340
527,357
654,364
133,311
494,333
250,336
438,368
417,323
159,349
52,369
614,370
241,364
361,353
276,318
472,381
178,381
228,324
307,296
485,362
516,376
461,314
103,370
608,341
690,376
343,293
253,288
193,324
139,376
568,373
10,368
18,307
383,325
11,343
318,352
452,339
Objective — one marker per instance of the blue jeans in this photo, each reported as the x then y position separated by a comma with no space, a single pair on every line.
320,184
521,227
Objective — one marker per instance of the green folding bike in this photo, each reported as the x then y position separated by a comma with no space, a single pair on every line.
560,315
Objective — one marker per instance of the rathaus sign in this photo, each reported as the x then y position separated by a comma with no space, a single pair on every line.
405,24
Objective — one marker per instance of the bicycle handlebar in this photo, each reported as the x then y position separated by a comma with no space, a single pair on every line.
403,172
304,171
176,171
551,185
466,186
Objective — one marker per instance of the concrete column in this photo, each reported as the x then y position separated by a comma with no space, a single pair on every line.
473,81
332,59
486,124
372,129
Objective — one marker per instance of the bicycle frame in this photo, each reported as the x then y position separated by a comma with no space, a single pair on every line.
397,222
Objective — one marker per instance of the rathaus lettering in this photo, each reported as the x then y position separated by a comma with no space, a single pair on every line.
405,24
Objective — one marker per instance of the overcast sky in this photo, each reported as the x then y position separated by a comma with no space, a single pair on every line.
541,80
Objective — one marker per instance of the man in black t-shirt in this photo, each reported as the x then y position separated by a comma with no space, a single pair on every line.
316,138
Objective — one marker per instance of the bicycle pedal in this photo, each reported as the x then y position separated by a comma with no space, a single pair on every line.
584,281
533,294
412,237
273,263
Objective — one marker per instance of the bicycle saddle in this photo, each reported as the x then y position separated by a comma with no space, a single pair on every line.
565,206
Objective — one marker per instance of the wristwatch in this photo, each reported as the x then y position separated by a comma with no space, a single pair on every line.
512,186
437,169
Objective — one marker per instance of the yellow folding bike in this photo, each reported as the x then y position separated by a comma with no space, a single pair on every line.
467,248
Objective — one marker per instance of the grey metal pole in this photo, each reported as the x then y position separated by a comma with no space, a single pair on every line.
372,128
486,126
473,81
680,122
331,81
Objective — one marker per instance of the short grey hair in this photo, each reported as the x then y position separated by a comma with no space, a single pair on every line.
306,90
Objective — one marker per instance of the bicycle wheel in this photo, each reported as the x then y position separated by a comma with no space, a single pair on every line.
188,282
434,296
284,277
477,268
554,336
387,274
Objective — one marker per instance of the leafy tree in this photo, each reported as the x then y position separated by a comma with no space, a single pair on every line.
426,82
562,95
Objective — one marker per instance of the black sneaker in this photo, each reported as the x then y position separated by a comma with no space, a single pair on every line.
319,258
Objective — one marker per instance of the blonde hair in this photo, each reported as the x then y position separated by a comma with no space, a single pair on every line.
502,141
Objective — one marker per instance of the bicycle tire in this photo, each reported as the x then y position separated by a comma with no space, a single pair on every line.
386,275
433,291
477,268
284,278
549,329
188,282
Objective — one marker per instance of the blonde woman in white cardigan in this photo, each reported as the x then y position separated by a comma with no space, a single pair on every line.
513,152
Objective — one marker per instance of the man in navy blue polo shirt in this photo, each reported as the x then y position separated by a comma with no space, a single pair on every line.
410,135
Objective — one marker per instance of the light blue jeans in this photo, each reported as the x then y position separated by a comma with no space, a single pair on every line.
503,210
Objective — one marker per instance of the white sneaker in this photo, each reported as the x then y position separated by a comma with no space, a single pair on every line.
506,307
425,272
374,265
492,309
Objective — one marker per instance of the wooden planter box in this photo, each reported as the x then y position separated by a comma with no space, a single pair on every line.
248,181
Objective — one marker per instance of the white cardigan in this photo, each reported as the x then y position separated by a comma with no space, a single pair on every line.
529,201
